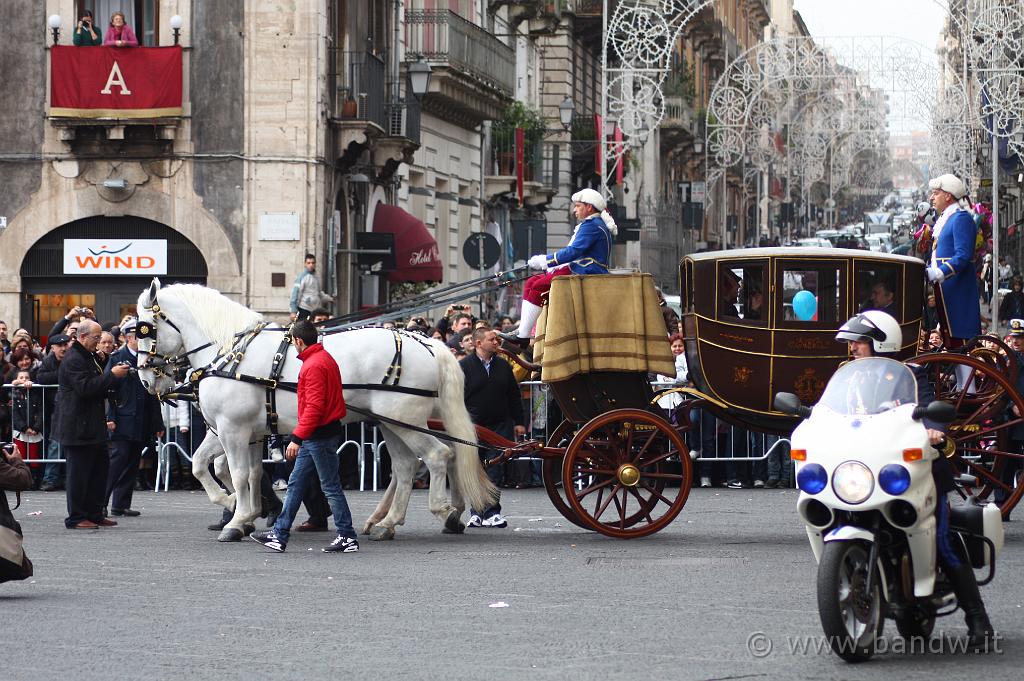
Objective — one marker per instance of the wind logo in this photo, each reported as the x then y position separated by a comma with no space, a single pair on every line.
136,257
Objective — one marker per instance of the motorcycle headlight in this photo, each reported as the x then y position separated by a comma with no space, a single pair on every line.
852,482
894,479
812,478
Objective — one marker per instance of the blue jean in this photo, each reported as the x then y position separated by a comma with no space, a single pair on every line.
53,474
318,457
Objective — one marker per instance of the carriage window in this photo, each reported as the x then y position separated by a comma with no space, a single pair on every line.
741,291
811,294
878,287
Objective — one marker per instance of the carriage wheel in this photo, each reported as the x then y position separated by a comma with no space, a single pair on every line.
552,469
983,397
995,352
627,473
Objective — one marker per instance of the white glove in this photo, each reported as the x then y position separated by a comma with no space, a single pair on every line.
538,262
936,275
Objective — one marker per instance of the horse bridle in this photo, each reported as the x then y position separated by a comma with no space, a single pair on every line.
147,331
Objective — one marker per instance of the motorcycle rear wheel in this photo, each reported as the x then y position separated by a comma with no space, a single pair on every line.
851,615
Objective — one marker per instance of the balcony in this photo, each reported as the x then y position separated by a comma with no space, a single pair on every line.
365,118
112,89
678,126
473,76
540,171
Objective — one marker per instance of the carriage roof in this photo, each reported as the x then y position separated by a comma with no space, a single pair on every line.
744,350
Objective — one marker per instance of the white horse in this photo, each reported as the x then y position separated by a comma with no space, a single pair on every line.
196,324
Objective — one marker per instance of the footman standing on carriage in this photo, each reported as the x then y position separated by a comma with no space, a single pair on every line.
314,444
875,333
588,252
951,267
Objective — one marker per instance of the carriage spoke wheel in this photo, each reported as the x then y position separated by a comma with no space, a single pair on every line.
983,397
552,470
627,473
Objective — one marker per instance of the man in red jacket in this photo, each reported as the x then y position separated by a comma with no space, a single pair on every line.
314,444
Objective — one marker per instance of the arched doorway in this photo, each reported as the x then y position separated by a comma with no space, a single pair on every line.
102,263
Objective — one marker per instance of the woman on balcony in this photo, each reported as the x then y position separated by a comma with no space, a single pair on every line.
86,34
120,34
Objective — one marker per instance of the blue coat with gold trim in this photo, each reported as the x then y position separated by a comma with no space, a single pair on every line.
954,255
588,250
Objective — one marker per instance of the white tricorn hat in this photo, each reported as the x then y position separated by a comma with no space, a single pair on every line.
949,183
590,196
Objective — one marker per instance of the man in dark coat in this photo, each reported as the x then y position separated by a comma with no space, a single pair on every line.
81,427
133,418
493,400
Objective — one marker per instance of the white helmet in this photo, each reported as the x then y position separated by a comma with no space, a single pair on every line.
876,326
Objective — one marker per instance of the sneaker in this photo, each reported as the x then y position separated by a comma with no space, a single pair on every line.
269,539
735,484
694,454
280,485
495,520
474,521
705,481
758,484
342,545
771,484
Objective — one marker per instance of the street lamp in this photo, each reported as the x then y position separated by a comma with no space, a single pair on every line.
54,23
419,76
566,110
176,27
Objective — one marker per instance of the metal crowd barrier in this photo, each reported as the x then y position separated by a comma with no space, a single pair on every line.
727,444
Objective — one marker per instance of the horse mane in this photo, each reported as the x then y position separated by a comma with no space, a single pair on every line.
219,317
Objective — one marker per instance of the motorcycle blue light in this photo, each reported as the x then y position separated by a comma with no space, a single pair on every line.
812,478
894,479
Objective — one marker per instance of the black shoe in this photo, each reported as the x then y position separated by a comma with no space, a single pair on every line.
47,487
218,526
273,515
269,539
342,545
127,512
513,339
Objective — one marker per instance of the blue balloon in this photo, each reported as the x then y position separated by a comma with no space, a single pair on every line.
805,305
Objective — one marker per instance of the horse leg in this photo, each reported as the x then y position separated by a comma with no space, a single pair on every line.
239,454
401,445
382,508
438,458
208,449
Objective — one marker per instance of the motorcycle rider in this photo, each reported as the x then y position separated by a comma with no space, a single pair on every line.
876,334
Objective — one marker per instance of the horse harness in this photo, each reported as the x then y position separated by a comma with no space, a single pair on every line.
227,366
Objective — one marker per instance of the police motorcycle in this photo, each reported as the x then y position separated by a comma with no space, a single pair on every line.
867,496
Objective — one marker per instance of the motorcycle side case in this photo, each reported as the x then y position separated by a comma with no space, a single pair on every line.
971,521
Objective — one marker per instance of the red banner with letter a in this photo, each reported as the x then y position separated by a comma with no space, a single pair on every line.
115,82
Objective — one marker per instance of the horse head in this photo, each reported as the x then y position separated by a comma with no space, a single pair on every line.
160,343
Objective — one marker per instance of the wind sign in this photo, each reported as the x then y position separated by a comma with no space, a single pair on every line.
132,257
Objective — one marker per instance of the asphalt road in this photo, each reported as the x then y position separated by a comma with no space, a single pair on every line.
159,598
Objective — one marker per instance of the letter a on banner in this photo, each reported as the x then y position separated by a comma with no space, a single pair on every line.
115,78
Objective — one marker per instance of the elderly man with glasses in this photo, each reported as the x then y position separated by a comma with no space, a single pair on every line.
81,427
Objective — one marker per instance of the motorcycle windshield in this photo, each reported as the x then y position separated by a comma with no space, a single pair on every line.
870,386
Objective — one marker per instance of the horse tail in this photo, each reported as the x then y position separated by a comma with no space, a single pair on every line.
470,477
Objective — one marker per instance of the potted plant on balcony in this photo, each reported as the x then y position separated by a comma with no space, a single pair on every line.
503,138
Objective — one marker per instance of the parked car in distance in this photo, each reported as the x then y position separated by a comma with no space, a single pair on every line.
814,242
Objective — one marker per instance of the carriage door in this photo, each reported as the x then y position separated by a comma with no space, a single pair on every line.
810,303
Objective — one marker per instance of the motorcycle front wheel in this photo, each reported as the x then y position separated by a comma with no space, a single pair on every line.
851,615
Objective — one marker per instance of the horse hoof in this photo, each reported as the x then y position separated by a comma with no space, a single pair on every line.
453,525
230,534
379,533
248,529
367,528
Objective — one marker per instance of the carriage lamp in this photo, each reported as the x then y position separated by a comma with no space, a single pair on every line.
812,478
852,482
894,479
176,23
54,23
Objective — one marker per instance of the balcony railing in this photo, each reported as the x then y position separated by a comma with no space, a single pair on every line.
678,113
540,161
360,92
444,38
